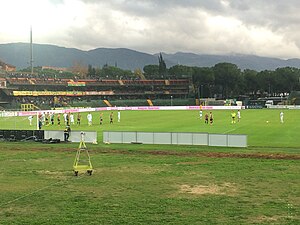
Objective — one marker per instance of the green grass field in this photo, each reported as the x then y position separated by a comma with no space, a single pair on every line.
154,184
253,123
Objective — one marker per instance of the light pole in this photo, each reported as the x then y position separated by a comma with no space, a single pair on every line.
201,91
171,100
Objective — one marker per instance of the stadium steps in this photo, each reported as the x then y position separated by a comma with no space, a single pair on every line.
149,102
31,81
107,103
29,107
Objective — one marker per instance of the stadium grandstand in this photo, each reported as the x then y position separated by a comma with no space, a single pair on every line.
46,92
6,67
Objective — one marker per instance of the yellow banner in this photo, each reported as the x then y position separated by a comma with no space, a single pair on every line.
76,83
61,93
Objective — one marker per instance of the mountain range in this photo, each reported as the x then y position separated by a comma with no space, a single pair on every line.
18,54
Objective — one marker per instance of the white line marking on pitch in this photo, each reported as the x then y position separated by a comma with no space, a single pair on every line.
36,191
229,131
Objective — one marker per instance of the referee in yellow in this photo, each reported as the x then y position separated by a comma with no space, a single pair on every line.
233,115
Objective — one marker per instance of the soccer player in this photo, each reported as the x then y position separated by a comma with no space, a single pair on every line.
239,115
233,115
101,118
78,118
52,118
200,112
68,118
47,119
206,118
43,118
65,115
40,121
30,118
211,118
58,119
111,118
72,121
281,117
90,119
119,116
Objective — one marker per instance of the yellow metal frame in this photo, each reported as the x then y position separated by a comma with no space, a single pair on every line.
28,107
77,167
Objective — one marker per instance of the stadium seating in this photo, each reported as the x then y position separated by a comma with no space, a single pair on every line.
41,90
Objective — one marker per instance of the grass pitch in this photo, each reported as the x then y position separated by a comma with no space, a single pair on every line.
154,184
263,127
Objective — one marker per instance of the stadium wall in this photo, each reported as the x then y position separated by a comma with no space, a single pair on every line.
175,138
75,136
22,135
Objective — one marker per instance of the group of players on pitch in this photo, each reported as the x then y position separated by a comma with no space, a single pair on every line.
68,119
209,118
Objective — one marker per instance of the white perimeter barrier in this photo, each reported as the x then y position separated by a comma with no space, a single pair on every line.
133,108
140,108
283,107
174,138
75,136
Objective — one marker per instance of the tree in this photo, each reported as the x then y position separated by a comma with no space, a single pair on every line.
113,72
91,71
266,81
181,71
286,79
151,71
227,76
203,80
79,69
98,72
162,68
251,83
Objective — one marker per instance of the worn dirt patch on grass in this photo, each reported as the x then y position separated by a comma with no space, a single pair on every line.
62,175
72,149
213,189
189,163
277,156
267,219
137,170
229,155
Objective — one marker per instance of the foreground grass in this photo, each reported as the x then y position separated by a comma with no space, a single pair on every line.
138,187
157,184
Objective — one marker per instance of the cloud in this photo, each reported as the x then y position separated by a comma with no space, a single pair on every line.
267,28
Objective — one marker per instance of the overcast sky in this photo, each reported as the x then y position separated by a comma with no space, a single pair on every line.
260,27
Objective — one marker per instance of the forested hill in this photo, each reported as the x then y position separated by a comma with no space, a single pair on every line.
18,54
242,61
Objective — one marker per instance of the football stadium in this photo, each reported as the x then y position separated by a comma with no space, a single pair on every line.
138,151
149,112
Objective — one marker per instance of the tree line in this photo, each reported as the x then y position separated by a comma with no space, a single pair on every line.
226,80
